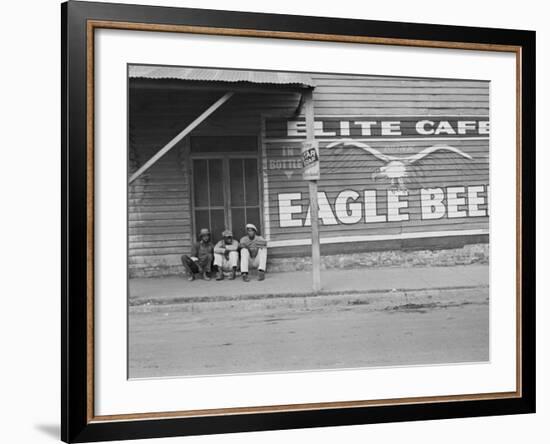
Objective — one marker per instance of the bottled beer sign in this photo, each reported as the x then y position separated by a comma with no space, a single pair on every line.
381,176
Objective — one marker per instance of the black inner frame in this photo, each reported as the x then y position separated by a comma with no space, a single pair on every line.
74,424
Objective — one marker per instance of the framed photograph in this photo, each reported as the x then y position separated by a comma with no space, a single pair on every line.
275,221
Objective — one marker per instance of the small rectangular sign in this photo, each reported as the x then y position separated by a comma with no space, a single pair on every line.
310,160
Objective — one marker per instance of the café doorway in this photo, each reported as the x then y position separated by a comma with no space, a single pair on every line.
226,191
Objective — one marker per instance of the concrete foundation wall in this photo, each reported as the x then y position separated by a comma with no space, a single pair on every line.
468,254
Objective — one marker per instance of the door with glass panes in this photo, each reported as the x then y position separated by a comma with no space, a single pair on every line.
226,190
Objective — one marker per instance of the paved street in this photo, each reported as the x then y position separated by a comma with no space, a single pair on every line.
299,333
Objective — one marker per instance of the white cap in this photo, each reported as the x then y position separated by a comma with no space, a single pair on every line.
251,226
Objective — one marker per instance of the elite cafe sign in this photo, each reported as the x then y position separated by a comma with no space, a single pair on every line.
351,206
388,127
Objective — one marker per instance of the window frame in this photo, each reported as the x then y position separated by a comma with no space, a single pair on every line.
225,157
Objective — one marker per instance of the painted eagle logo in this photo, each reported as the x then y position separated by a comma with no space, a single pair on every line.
396,169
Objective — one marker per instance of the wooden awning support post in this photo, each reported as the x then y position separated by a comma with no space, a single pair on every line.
180,136
313,198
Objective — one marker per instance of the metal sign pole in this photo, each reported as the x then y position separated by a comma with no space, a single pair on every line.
313,199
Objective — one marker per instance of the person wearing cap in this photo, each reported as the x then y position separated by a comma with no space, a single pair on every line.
200,260
226,255
253,253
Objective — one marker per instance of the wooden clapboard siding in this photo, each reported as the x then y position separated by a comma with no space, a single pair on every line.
352,169
347,94
158,230
158,201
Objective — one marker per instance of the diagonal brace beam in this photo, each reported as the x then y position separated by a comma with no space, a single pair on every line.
180,136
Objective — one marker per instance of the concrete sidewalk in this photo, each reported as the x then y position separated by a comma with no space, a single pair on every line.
176,289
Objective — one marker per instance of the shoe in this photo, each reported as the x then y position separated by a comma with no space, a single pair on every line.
245,277
219,277
261,275
205,276
191,277
233,275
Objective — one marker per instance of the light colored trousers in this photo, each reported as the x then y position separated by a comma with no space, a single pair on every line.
258,262
226,264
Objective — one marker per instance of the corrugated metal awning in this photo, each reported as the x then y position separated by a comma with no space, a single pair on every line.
221,75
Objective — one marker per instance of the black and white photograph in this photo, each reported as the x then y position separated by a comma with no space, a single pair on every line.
302,221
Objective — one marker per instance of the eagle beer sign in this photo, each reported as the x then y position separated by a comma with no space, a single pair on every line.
310,160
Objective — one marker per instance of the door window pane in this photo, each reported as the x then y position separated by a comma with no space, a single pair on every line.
251,181
238,222
218,224
202,220
236,181
216,182
200,183
253,217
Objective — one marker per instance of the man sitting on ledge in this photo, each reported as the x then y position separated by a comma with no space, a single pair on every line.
226,255
200,260
253,253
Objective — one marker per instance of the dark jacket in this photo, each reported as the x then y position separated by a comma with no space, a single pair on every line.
202,250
